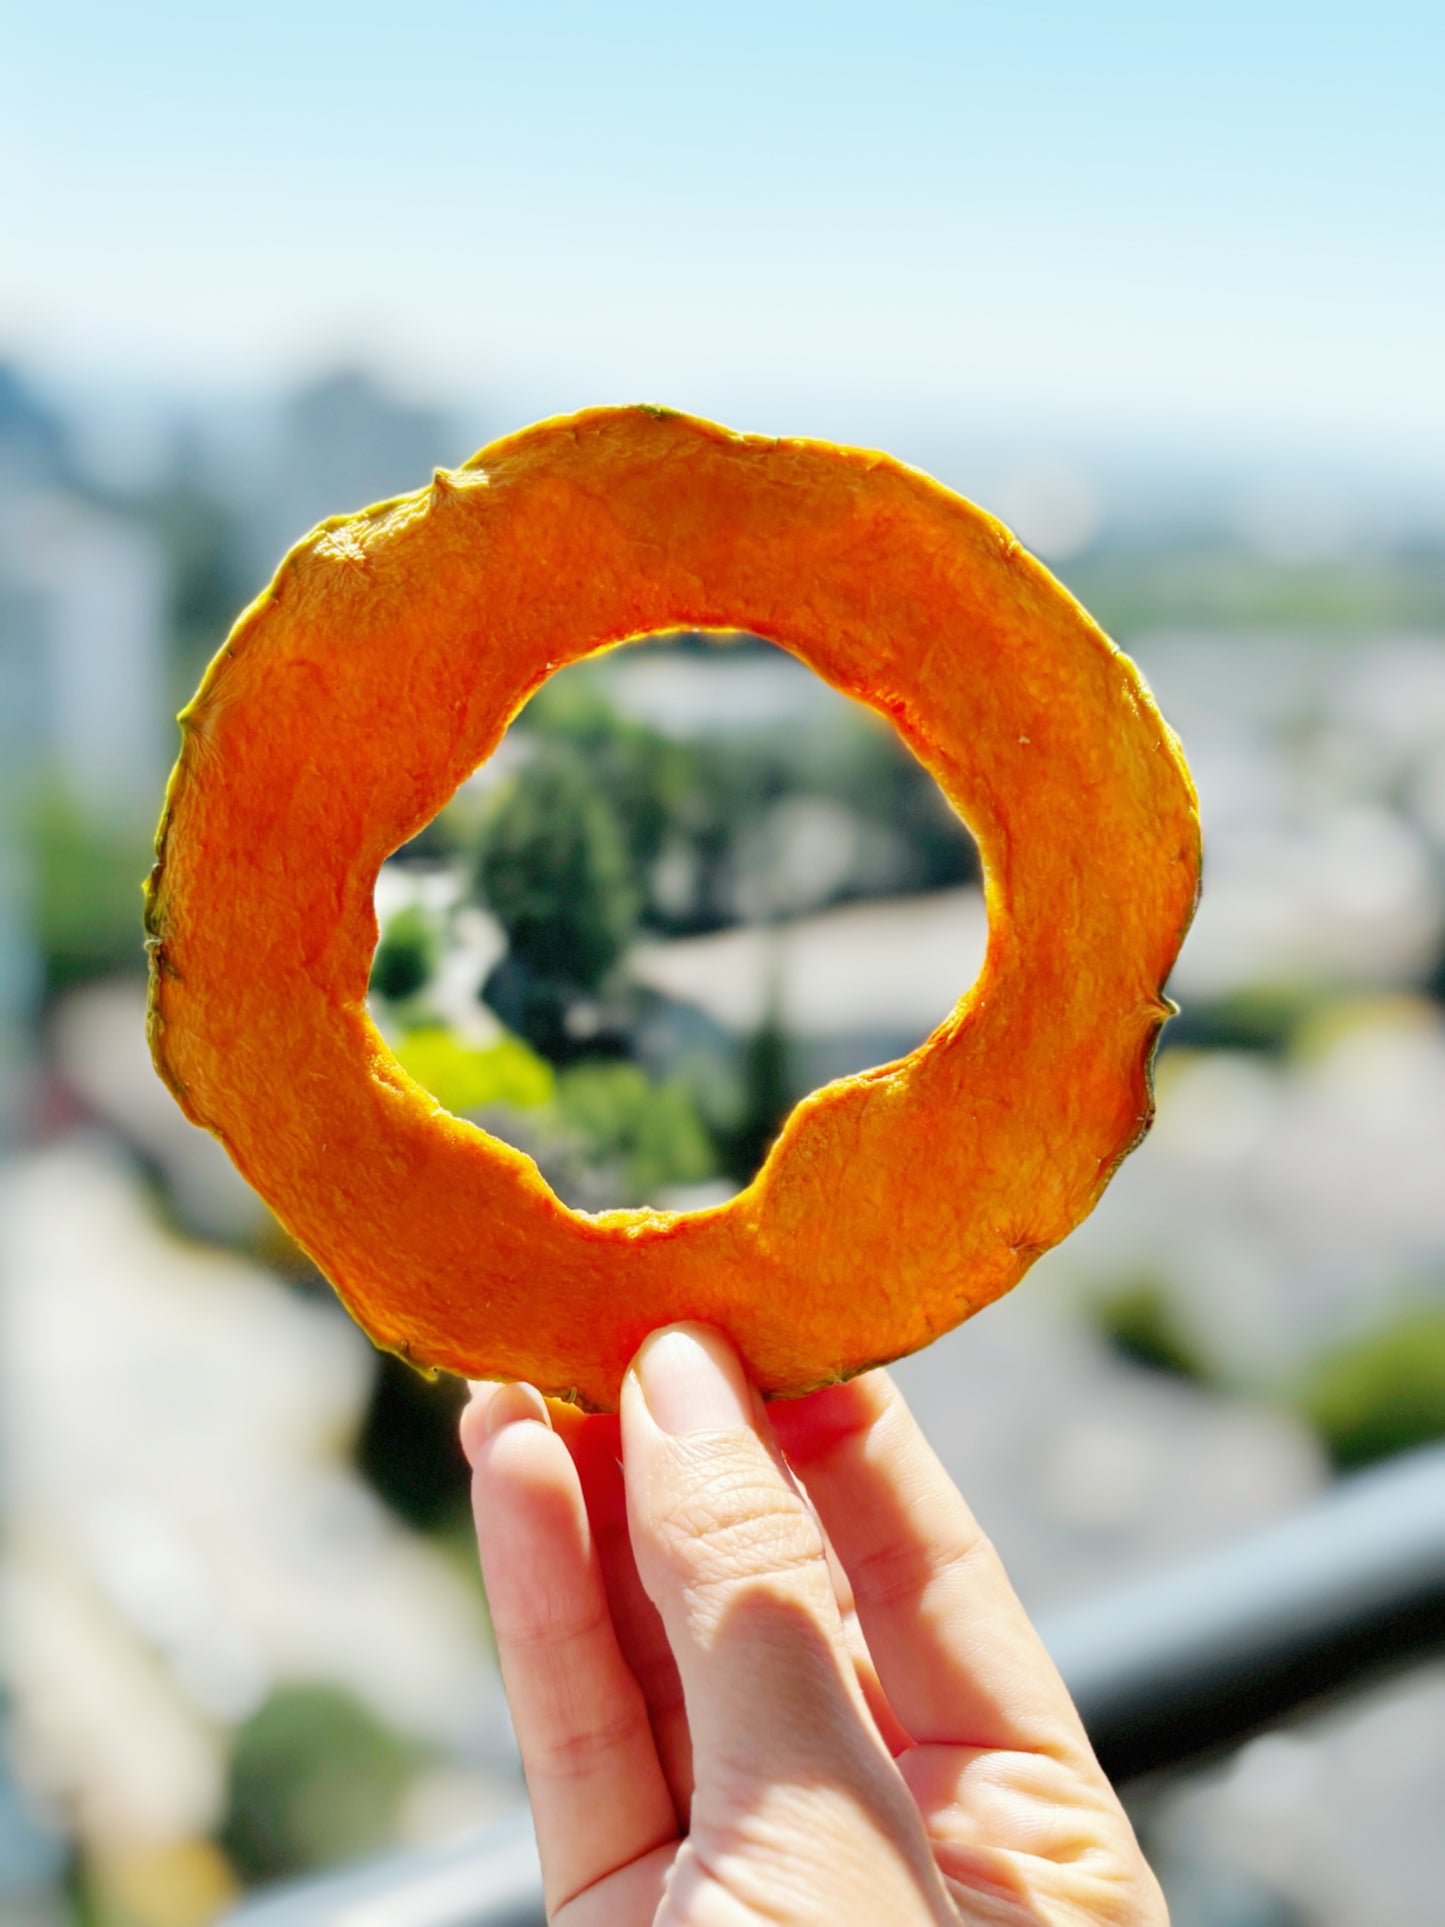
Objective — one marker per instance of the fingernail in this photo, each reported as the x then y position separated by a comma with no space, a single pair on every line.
692,1382
495,1406
512,1403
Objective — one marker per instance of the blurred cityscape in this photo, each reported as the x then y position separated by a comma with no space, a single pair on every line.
241,1635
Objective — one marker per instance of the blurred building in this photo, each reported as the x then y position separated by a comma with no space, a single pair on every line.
343,442
85,646
34,446
82,620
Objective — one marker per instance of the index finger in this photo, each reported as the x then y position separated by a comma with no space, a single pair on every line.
956,1653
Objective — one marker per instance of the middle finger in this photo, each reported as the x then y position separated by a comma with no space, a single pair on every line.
596,1446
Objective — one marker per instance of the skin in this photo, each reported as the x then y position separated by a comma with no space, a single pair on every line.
764,1667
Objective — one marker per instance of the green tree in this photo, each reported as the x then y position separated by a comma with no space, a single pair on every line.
1385,1392
87,873
407,956
315,1778
1140,1323
651,1133
767,1099
648,778
553,867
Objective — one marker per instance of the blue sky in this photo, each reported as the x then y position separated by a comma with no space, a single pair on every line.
1202,220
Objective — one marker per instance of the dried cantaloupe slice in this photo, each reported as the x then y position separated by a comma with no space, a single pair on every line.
382,666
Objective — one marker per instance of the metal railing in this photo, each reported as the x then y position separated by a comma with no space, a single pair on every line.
1165,1670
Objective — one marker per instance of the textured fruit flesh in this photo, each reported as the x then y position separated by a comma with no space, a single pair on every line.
383,665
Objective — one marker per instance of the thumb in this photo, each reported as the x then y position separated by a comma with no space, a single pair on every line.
733,1559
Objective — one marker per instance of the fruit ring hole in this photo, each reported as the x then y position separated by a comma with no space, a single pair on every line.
692,884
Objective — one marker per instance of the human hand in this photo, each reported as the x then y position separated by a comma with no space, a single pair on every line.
764,1668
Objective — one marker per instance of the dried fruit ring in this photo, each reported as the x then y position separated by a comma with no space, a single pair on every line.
382,666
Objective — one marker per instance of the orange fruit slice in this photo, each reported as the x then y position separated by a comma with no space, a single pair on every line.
382,666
